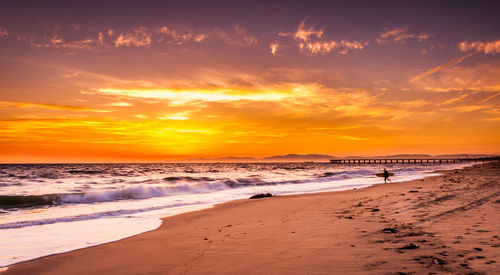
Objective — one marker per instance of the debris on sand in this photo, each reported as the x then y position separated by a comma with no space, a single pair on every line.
259,196
436,260
410,246
389,230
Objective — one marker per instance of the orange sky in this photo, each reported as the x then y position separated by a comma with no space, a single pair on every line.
241,81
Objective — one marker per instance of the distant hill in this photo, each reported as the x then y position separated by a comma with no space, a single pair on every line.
236,159
280,158
463,156
325,158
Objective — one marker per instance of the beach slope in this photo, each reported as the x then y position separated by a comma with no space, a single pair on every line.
443,224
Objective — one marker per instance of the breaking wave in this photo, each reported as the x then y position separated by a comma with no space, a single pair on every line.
175,185
130,193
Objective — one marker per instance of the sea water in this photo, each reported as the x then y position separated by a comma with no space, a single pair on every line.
53,208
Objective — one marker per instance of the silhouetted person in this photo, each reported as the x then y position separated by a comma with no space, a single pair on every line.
386,176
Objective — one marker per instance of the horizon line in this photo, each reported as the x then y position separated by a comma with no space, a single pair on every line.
266,159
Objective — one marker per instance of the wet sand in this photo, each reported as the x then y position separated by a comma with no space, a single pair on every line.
439,225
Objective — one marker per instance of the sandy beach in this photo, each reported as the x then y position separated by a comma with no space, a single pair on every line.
439,225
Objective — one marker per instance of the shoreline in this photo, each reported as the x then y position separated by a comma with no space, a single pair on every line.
101,231
206,237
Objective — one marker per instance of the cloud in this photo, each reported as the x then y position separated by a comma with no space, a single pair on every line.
176,116
311,41
181,96
399,36
274,48
418,103
179,37
352,138
441,67
189,131
89,44
200,37
480,78
305,33
489,98
469,108
100,38
119,104
454,100
470,48
173,117
138,37
21,104
480,47
3,32
107,38
237,36
325,47
243,34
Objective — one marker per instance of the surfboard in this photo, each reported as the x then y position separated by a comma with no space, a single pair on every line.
382,174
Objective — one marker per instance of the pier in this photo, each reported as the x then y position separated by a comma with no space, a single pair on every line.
410,161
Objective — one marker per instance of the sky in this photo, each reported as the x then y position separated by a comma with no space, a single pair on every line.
152,81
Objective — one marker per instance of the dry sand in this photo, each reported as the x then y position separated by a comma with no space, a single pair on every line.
440,225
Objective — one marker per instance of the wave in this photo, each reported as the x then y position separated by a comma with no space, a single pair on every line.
136,192
7,202
175,179
179,185
89,172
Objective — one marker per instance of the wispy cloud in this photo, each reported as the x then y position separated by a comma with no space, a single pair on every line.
305,33
179,37
311,41
120,104
274,48
477,78
441,67
89,44
176,116
139,37
469,108
463,87
325,47
471,48
3,32
492,47
195,131
181,96
418,103
20,104
489,98
237,36
399,36
454,100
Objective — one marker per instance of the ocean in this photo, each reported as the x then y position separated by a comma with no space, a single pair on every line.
52,208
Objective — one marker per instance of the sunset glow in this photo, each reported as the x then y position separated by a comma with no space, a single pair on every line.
178,81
